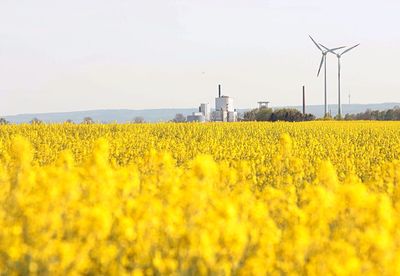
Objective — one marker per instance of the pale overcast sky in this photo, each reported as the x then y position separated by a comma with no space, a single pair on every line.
96,54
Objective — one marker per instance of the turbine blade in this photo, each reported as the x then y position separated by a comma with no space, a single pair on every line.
338,48
333,49
329,50
351,48
326,48
320,66
316,44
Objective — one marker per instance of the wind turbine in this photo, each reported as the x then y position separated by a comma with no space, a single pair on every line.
339,56
323,62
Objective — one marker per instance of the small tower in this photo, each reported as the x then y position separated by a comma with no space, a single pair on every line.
263,105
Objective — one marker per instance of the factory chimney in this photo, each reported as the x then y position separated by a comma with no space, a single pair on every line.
219,91
304,100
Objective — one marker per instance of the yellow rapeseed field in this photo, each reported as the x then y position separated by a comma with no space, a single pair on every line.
315,198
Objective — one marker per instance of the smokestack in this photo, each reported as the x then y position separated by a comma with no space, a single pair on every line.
304,100
219,91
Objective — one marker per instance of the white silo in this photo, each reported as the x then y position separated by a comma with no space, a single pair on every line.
224,109
224,103
205,110
232,116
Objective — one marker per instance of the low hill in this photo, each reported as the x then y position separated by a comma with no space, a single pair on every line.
162,115
318,110
103,116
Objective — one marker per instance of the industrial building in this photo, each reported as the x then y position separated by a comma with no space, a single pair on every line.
205,110
196,117
224,111
202,116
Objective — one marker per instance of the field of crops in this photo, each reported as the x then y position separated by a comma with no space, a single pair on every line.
231,198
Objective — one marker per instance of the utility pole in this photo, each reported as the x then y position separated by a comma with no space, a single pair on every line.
304,100
326,100
339,103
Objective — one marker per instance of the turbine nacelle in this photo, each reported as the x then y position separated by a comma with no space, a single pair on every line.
324,51
334,49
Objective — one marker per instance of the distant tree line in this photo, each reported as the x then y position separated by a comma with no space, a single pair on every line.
86,120
179,118
4,121
283,114
270,115
376,115
36,121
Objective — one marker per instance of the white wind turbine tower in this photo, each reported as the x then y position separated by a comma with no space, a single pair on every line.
339,68
323,62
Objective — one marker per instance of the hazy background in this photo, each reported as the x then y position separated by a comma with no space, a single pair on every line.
97,54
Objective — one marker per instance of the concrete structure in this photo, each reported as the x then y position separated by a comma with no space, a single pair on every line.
224,103
205,110
232,116
224,111
263,104
196,117
224,108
